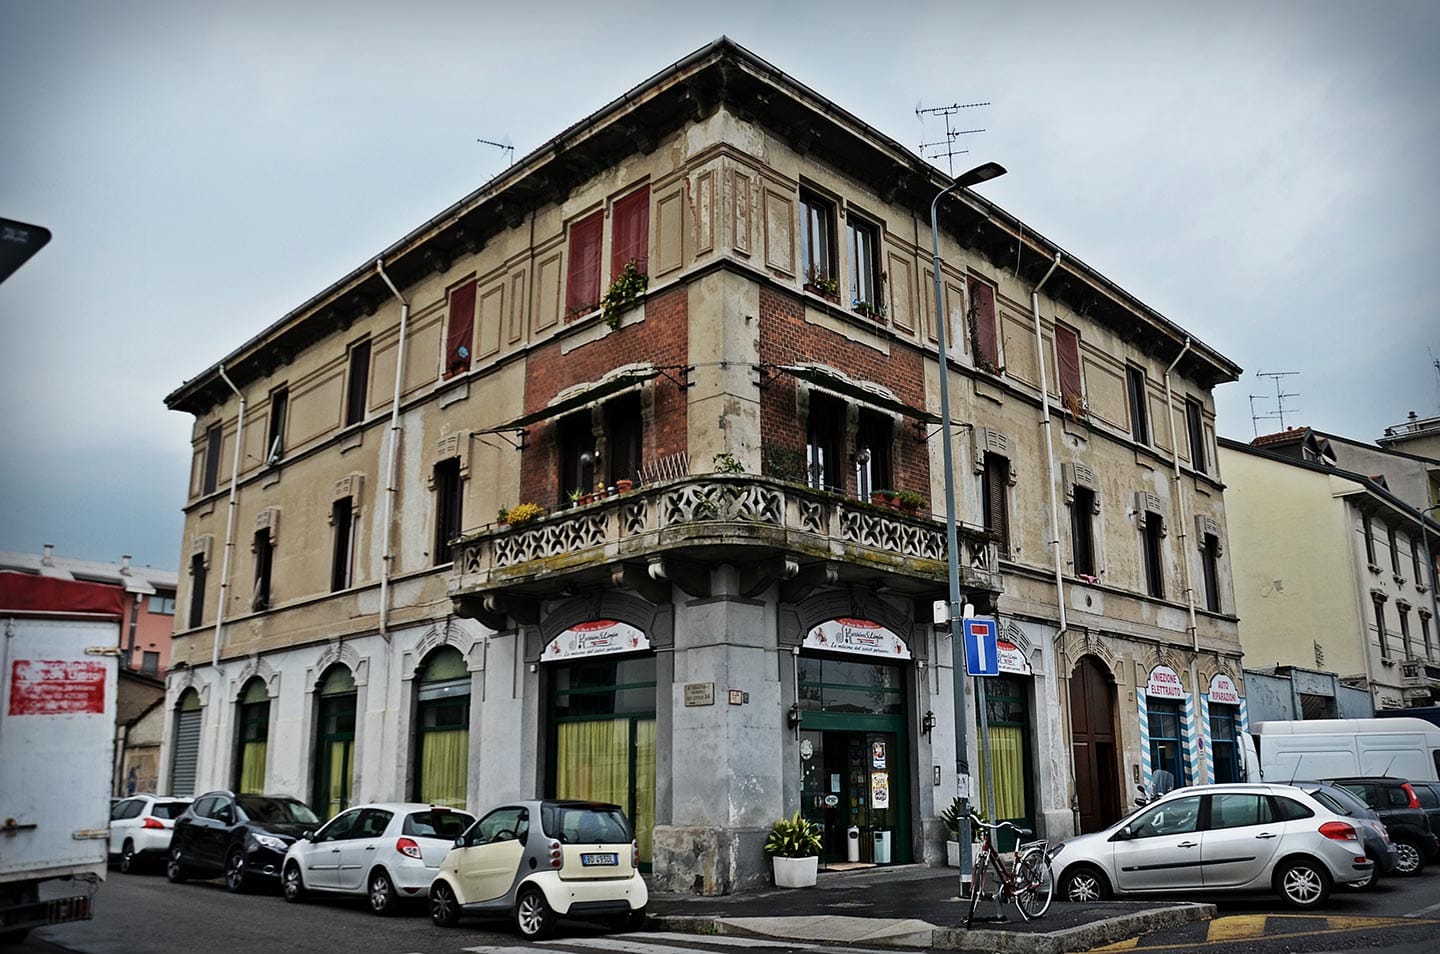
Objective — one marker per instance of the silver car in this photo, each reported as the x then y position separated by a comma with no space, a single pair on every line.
1218,838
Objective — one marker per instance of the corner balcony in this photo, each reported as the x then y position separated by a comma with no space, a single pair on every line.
673,532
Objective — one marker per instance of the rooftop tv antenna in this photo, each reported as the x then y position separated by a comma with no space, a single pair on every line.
1280,396
945,147
504,147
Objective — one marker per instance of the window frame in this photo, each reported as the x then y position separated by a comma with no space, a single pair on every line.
460,327
582,264
983,318
1210,570
198,572
342,554
874,432
624,423
1367,528
275,432
630,232
1070,378
995,499
864,275
210,475
818,218
1137,390
262,597
449,509
1152,536
1378,600
824,442
357,382
1082,531
1404,612
1392,538
1195,428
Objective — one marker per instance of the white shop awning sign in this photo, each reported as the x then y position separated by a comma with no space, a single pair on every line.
1012,658
599,637
860,637
1164,683
1222,690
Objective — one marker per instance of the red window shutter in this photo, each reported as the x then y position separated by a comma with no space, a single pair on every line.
582,288
1067,355
461,326
982,323
630,240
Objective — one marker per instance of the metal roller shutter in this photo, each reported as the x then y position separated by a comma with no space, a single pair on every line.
187,753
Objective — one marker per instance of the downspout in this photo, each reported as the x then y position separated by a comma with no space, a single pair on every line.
393,454
1185,557
229,519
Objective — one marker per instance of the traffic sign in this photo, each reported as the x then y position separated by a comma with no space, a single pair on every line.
982,654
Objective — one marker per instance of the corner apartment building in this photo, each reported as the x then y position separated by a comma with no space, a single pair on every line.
713,301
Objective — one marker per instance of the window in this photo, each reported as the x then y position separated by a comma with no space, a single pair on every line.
630,233
1082,531
334,742
162,605
1405,630
264,550
442,729
1222,743
275,434
582,283
1152,534
254,734
357,383
995,494
447,509
872,454
1210,567
1237,810
342,518
1425,634
1194,426
984,336
1165,747
1380,634
1139,409
1369,531
817,242
197,590
1067,368
624,428
1173,818
823,439
150,663
211,476
576,435
1421,580
460,327
1394,550
865,291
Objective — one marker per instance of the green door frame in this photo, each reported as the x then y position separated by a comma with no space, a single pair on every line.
821,721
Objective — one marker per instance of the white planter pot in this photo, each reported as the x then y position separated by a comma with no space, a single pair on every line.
952,854
795,872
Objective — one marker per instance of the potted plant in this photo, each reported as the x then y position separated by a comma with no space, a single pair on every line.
627,289
503,516
794,850
822,284
523,513
882,498
622,486
910,501
951,817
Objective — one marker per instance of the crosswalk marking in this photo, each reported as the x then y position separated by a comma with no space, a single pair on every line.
620,945
1235,928
737,940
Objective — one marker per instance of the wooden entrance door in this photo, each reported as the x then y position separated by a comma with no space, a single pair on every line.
1093,744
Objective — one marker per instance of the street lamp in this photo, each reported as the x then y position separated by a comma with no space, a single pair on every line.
953,612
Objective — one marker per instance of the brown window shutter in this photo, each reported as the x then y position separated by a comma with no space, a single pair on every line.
582,288
1067,364
982,323
631,239
461,325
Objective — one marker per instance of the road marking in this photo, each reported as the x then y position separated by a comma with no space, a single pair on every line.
1124,945
1334,925
641,944
1236,927
1425,910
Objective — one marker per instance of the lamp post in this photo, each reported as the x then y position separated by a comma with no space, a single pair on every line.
953,612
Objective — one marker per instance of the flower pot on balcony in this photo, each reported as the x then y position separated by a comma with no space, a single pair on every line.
624,486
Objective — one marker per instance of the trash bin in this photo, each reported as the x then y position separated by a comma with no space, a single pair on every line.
852,844
881,847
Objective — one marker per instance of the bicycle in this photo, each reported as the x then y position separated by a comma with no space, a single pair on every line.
1029,882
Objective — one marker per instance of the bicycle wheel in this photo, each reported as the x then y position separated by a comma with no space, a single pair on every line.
1034,884
977,882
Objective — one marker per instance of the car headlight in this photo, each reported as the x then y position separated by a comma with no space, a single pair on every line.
271,842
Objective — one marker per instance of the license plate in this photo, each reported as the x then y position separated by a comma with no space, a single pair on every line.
591,859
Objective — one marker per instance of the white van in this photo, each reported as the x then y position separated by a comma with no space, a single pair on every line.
1339,748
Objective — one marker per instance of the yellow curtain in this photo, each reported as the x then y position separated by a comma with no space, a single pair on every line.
252,768
644,820
1007,756
338,797
443,762
593,761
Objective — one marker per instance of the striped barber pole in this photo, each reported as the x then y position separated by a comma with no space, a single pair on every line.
1244,716
1208,739
1144,706
1190,739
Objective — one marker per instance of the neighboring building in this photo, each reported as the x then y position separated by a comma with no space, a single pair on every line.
1418,438
139,729
1330,569
1411,474
719,288
149,620
1288,693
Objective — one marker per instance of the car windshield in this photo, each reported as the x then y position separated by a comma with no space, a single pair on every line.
277,811
437,823
597,824
1340,801
168,809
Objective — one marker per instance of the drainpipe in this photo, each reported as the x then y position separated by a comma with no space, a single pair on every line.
393,453
1180,500
229,520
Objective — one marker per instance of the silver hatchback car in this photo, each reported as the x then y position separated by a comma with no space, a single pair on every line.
1218,838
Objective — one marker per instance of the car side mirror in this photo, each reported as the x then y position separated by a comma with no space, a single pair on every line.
460,842
1123,834
307,836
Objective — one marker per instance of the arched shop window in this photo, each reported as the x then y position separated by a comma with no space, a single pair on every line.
254,734
187,744
334,741
603,722
442,728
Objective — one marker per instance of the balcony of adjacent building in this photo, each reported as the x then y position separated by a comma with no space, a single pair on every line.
672,532
1421,681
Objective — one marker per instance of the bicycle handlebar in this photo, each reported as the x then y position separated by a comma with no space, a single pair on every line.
976,819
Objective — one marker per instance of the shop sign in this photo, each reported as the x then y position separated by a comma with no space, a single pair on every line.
56,687
1222,690
599,637
1164,684
1012,658
879,789
862,637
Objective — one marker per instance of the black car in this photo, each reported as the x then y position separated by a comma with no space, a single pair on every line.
243,837
1428,794
1374,836
1395,802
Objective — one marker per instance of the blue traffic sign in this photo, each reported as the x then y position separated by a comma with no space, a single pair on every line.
982,655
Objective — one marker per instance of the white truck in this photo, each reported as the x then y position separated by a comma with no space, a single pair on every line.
59,663
1340,748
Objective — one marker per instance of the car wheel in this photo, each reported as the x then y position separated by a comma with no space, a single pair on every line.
1084,884
292,883
175,870
444,906
1303,884
235,879
1409,859
533,916
127,857
382,893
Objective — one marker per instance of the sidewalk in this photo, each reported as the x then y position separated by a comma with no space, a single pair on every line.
911,906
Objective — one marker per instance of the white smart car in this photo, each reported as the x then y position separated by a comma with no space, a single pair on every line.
387,852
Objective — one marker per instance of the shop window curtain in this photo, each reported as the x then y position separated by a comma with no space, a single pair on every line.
593,762
337,789
443,760
252,768
1007,757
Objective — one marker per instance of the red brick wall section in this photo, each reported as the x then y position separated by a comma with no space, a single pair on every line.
786,338
661,339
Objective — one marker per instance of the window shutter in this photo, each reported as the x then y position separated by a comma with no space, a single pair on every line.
187,753
582,288
461,325
1067,365
982,323
631,237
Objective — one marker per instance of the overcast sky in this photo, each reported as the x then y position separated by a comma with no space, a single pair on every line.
1263,174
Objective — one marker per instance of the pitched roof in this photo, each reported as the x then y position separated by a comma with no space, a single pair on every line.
133,579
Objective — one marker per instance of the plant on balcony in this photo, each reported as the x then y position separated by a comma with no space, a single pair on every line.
869,308
727,464
577,497
502,516
882,498
623,292
523,513
822,284
910,501
622,486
